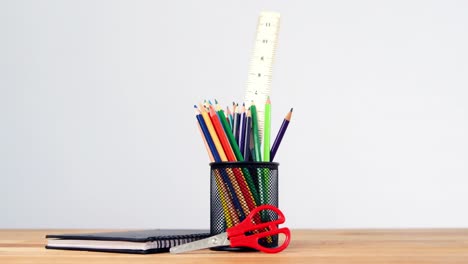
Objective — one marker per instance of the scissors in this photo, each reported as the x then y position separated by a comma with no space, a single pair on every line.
244,234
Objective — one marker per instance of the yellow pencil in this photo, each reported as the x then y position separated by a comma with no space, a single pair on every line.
213,134
221,187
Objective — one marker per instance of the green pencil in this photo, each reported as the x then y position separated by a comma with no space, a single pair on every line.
257,157
230,136
266,131
256,138
265,173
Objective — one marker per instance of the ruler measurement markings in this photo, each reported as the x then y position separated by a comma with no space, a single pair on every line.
261,64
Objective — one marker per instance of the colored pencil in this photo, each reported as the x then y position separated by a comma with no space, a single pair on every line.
257,156
279,136
221,134
219,184
229,116
263,186
212,152
242,179
256,138
233,116
237,124
228,207
236,177
242,130
212,122
266,131
230,136
248,128
213,134
251,190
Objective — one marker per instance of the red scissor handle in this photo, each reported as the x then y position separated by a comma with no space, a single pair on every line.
238,234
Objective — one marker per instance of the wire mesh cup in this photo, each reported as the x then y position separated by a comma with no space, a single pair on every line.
236,189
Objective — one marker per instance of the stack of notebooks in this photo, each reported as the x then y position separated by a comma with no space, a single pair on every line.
138,242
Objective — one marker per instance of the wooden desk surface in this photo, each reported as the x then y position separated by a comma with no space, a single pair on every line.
307,246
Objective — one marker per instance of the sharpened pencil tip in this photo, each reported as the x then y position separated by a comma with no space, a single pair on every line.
288,115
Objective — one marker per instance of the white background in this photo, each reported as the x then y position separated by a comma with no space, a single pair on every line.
97,128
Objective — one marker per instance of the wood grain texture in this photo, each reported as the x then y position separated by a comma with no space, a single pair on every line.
307,246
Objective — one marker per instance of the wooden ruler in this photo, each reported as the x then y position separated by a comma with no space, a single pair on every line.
261,64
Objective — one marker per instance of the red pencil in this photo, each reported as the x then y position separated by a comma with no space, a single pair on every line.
222,135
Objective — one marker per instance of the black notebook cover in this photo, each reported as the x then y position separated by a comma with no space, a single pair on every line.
138,241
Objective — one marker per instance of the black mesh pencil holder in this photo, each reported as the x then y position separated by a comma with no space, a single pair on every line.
237,188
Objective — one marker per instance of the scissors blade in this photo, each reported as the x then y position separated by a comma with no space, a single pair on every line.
214,241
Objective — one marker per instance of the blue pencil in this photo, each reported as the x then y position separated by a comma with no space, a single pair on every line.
242,131
208,138
217,158
237,125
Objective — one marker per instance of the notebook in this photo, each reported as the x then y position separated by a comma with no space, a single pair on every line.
137,242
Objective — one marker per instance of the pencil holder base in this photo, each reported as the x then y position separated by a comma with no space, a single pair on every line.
236,189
